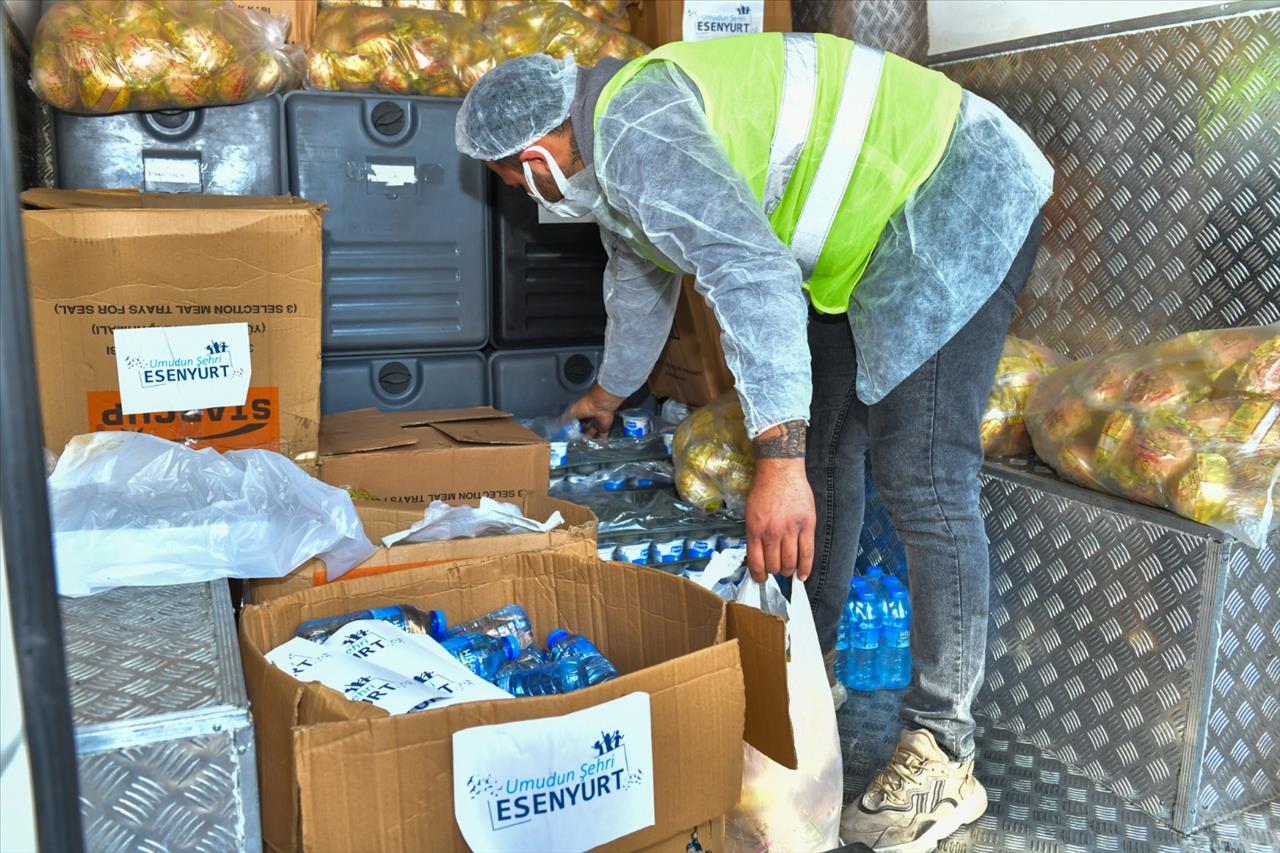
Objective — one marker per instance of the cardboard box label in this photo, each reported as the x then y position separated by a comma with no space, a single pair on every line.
566,783
255,424
182,367
709,19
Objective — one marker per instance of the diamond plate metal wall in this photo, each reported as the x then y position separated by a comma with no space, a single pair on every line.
1104,647
1141,649
170,795
1242,741
163,734
898,26
879,545
1166,211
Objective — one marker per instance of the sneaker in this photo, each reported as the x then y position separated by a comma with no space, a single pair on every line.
919,798
839,695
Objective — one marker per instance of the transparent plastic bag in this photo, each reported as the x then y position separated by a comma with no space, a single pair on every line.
398,51
1022,365
783,809
131,509
1191,424
118,55
713,456
548,26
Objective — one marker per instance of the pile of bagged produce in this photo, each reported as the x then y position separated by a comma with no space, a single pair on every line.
1191,424
443,47
108,57
1022,365
713,457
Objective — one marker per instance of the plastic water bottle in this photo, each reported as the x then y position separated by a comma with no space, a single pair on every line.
482,654
566,646
842,645
557,676
895,640
509,621
864,641
531,658
874,577
406,617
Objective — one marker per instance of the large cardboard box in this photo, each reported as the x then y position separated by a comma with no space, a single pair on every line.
451,455
657,22
301,15
336,775
576,536
105,259
692,368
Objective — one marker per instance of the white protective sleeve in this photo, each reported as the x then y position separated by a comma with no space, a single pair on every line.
659,165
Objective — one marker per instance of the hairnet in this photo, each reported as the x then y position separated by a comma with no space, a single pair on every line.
514,104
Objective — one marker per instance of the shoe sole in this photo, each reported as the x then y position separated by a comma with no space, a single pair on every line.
968,811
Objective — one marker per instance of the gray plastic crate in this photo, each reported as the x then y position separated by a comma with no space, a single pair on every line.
406,249
400,382
236,150
529,383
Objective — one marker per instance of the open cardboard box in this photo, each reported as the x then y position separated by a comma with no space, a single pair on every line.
451,455
336,775
577,535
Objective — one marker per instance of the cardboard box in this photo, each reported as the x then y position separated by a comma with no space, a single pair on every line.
576,536
692,368
336,775
301,15
453,455
657,22
102,259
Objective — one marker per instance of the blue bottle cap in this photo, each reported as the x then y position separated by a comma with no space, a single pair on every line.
614,485
510,647
858,583
556,636
900,594
874,571
867,594
891,582
438,625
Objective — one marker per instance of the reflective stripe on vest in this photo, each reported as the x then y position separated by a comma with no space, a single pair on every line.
795,114
861,82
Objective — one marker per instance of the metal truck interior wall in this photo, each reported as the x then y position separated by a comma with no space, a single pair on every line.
1165,215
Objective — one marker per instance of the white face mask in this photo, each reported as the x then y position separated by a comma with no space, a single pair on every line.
580,195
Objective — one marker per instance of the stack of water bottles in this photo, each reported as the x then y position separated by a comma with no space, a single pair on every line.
500,647
873,643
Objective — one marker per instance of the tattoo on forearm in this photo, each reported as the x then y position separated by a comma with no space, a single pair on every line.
786,441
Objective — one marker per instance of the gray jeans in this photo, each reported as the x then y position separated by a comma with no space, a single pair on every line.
925,458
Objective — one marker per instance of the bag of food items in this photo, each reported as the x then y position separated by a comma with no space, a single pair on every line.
713,457
547,26
398,51
1022,365
610,12
115,55
1191,424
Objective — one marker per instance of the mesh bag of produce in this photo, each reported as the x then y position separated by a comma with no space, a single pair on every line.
610,12
713,457
1191,424
548,26
397,51
1022,365
108,57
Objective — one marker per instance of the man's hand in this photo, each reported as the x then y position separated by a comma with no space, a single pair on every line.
595,410
780,512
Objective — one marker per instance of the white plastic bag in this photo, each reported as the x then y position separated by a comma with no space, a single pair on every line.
130,509
782,809
492,518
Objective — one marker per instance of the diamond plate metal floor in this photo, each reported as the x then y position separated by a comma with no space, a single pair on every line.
1038,803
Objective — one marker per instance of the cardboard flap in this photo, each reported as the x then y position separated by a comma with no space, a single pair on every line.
762,640
431,417
361,431
493,431
46,199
